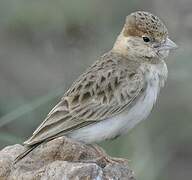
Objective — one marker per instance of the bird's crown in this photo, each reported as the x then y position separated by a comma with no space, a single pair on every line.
140,22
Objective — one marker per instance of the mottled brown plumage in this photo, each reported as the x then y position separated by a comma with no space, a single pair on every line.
103,91
117,91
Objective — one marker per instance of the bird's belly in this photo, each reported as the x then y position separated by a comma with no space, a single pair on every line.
121,123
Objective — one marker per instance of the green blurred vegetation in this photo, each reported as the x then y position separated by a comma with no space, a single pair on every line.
45,45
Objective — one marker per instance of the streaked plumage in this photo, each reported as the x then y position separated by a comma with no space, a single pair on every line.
117,91
106,89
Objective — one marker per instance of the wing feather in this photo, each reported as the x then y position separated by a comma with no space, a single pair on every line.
105,90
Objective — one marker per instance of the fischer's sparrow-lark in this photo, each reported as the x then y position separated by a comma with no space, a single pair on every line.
117,91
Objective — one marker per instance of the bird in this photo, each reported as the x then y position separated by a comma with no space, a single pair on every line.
115,93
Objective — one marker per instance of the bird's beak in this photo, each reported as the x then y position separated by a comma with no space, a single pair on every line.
168,45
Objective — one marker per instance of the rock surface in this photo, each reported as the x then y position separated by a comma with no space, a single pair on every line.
60,159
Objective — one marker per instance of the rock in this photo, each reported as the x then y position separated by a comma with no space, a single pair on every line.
60,159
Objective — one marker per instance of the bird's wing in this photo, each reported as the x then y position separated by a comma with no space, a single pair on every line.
105,90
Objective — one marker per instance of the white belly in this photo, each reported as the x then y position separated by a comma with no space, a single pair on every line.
121,123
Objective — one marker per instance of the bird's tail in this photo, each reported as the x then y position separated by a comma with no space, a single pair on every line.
26,152
33,146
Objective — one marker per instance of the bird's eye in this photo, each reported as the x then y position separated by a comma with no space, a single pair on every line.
146,39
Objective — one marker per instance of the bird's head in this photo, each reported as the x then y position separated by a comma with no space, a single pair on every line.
144,36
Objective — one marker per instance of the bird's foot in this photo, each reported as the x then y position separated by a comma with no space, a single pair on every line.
104,158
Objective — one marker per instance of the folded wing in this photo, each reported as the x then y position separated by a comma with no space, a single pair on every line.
104,90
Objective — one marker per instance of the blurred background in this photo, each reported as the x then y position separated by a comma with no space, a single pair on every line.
46,44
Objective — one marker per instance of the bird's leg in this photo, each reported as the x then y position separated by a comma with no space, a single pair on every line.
104,158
